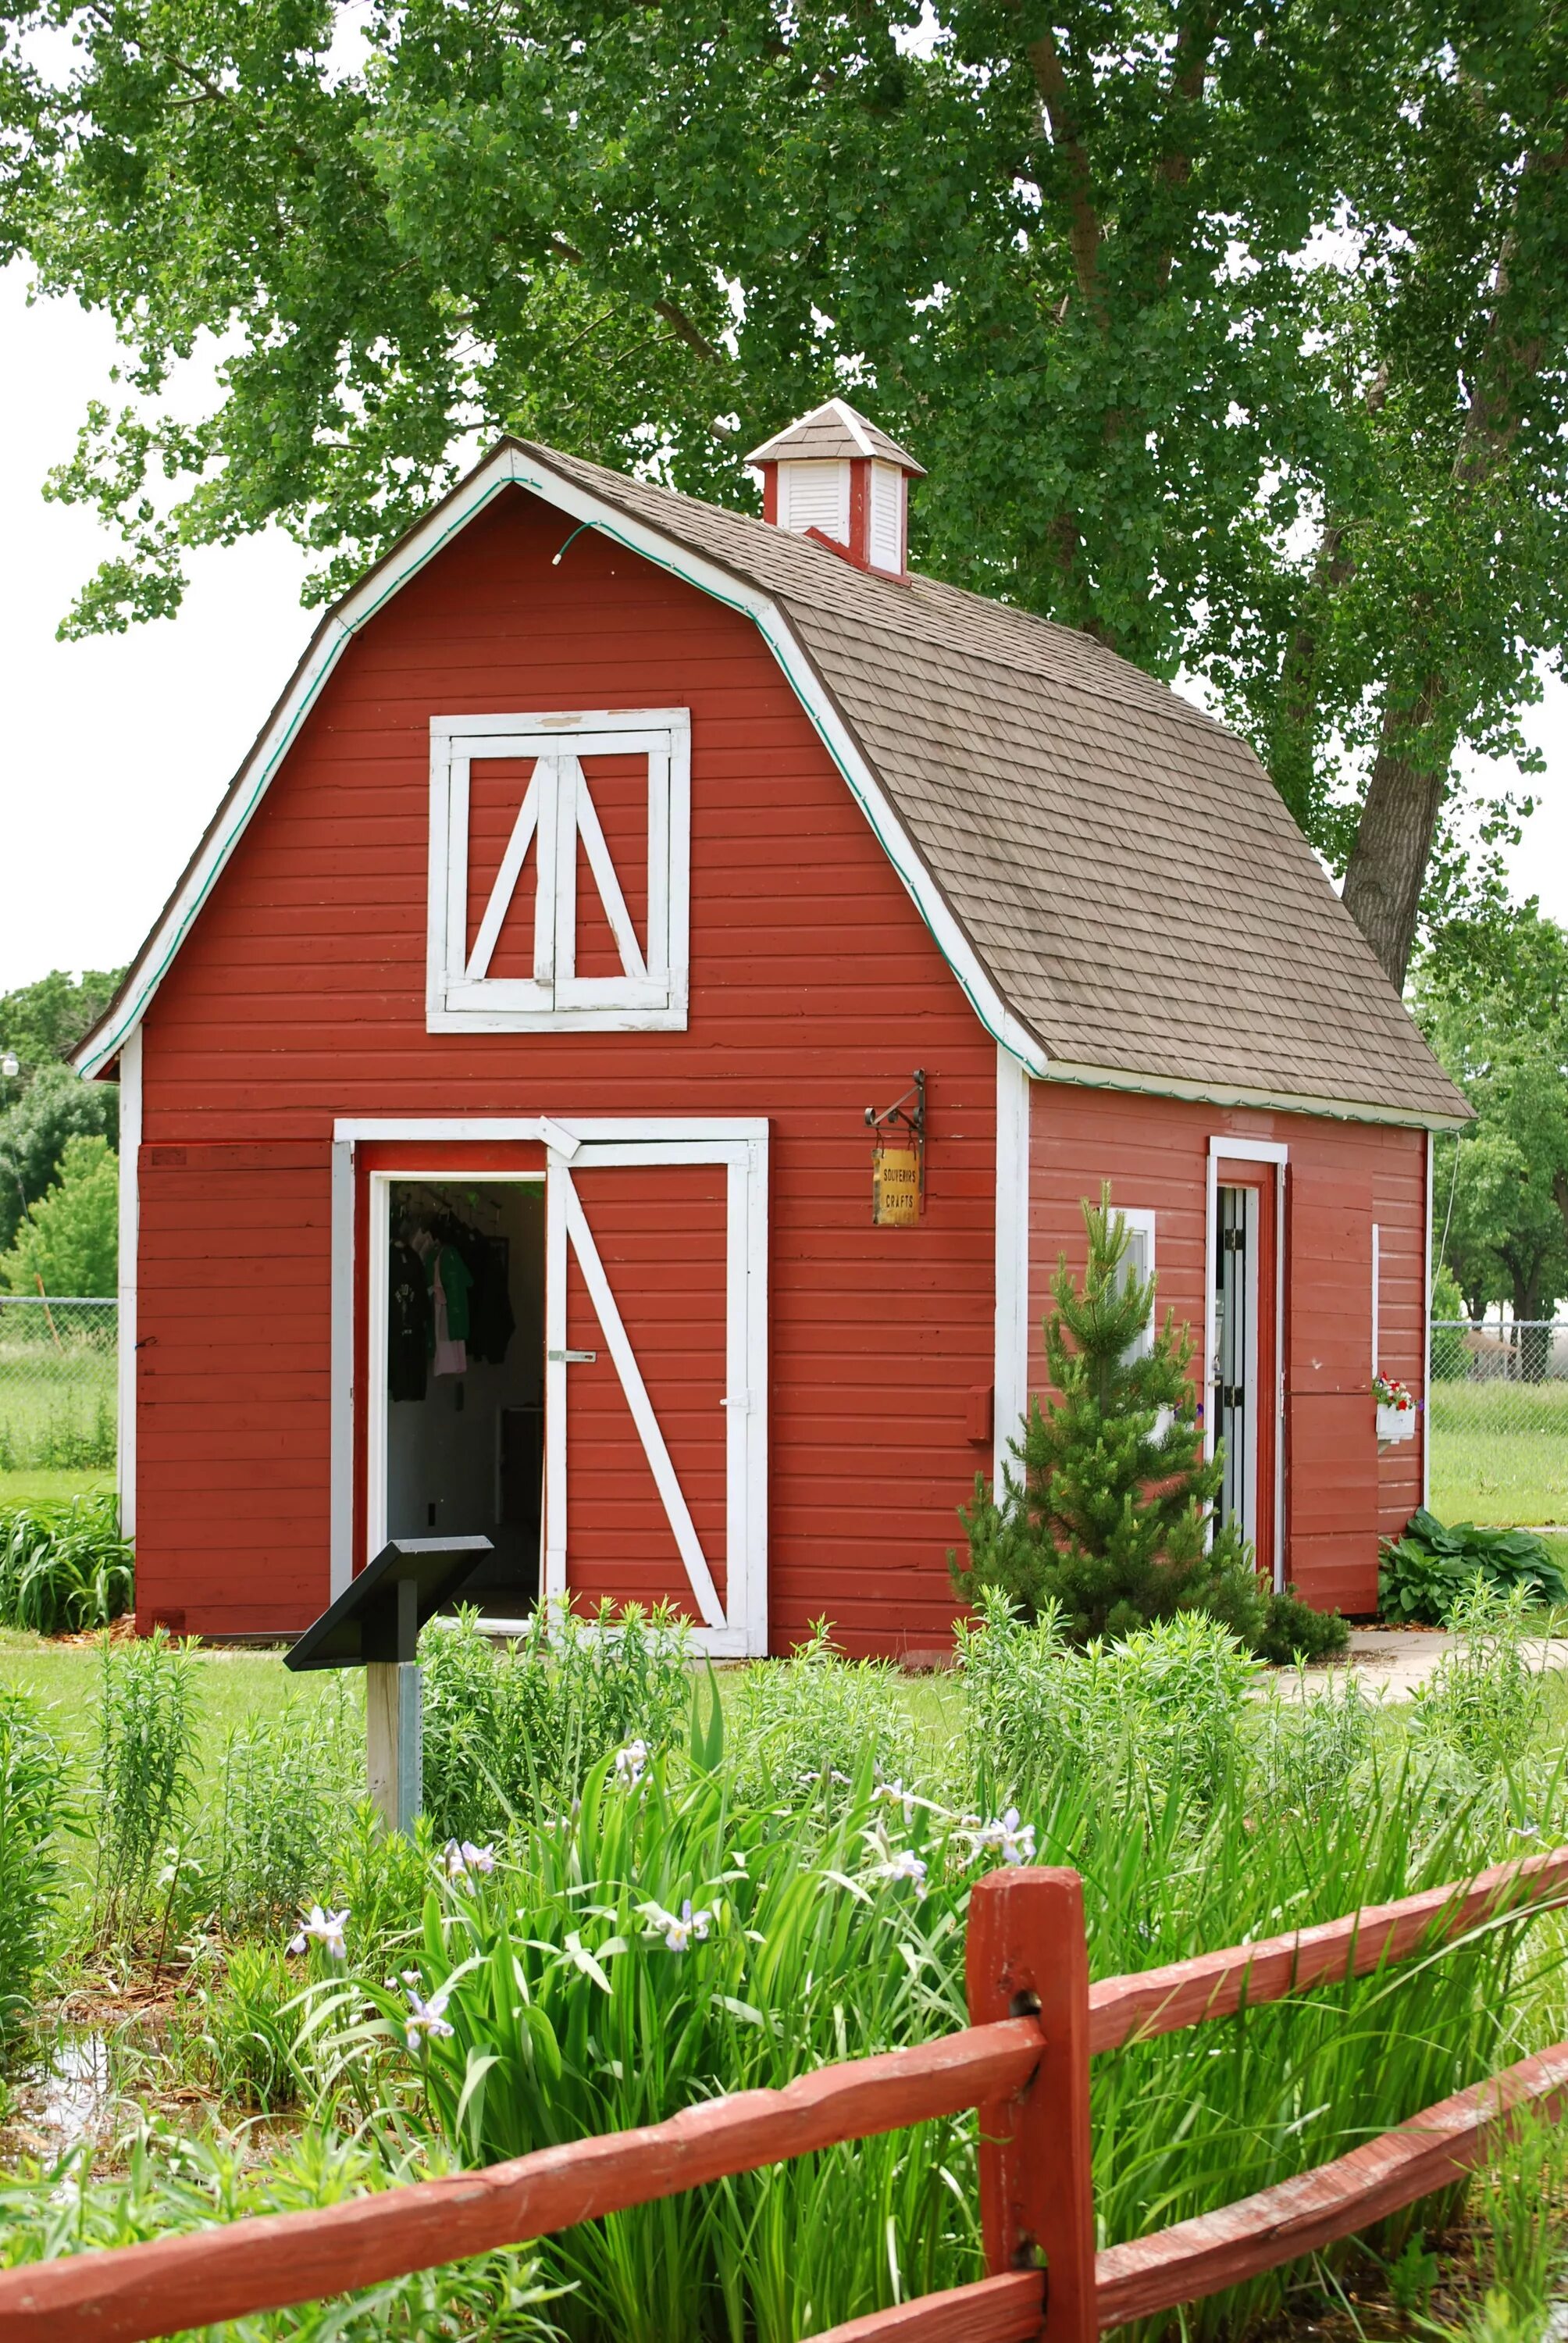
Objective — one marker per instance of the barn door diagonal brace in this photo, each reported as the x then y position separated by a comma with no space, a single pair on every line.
700,1578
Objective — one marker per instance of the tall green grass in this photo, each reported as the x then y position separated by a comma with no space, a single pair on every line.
34,1810
667,1937
144,1779
1500,1452
64,1568
664,1917
58,1398
508,1730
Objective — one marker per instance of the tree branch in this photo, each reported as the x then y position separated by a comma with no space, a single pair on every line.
673,317
1084,230
1189,80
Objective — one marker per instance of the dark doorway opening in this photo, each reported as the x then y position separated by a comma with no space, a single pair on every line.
466,1366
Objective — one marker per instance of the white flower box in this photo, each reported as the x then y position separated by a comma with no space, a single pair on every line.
1396,1423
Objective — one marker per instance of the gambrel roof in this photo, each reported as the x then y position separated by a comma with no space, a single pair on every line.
1110,875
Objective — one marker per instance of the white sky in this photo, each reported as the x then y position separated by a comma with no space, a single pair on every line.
116,751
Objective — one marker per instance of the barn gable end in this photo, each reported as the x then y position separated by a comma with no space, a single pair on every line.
293,1025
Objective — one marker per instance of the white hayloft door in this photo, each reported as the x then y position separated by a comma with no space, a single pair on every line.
559,860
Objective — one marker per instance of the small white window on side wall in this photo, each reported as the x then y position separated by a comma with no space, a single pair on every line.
559,872
1139,1261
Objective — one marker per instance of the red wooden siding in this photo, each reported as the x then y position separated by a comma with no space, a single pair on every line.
233,1382
659,1232
1341,1494
816,990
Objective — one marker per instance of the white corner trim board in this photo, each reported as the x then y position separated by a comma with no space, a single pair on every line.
507,467
1426,1336
1010,1393
130,1240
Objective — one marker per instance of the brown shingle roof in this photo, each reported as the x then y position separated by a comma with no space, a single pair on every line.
834,430
1130,877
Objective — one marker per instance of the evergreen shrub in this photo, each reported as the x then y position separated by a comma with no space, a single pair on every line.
1106,1510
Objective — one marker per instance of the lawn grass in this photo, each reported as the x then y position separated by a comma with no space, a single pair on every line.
56,1486
233,1685
1500,1452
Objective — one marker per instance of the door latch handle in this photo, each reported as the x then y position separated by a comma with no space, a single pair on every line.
742,1400
572,1358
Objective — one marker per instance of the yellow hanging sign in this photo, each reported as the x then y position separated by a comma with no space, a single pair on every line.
896,1187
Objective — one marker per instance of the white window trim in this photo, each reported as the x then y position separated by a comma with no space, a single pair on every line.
1139,1219
1376,1296
556,812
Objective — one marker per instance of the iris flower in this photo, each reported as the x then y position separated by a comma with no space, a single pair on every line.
325,1928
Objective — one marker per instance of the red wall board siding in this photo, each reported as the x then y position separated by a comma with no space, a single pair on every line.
1341,1494
816,991
231,1374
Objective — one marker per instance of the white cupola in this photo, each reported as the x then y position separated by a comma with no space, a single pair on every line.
836,477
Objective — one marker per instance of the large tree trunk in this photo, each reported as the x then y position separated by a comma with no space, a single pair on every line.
1387,868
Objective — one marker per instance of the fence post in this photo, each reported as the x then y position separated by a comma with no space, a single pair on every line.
1027,1950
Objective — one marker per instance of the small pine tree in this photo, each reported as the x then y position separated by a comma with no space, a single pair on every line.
1105,1508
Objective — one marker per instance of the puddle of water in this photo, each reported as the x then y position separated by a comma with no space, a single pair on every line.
75,2087
67,2097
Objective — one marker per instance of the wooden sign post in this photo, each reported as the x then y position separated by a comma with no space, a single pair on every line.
375,1625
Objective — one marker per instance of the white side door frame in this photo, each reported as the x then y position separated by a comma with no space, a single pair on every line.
1222,1147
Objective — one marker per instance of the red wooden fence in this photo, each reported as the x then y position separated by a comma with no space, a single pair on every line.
1024,2064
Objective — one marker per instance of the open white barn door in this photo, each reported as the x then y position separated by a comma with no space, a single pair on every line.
656,1380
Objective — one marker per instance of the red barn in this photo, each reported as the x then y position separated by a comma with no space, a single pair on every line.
495,1085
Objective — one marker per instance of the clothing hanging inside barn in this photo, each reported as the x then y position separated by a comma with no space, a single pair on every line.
449,1298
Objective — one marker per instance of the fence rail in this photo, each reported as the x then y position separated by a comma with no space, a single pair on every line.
1023,2063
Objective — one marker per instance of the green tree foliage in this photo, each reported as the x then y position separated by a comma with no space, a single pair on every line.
54,1107
42,1022
1494,999
45,1104
1105,1508
1232,334
71,1239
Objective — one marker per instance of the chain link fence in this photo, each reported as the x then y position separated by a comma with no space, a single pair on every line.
57,1378
1498,1414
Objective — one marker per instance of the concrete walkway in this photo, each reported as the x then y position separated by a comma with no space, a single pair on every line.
1393,1662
